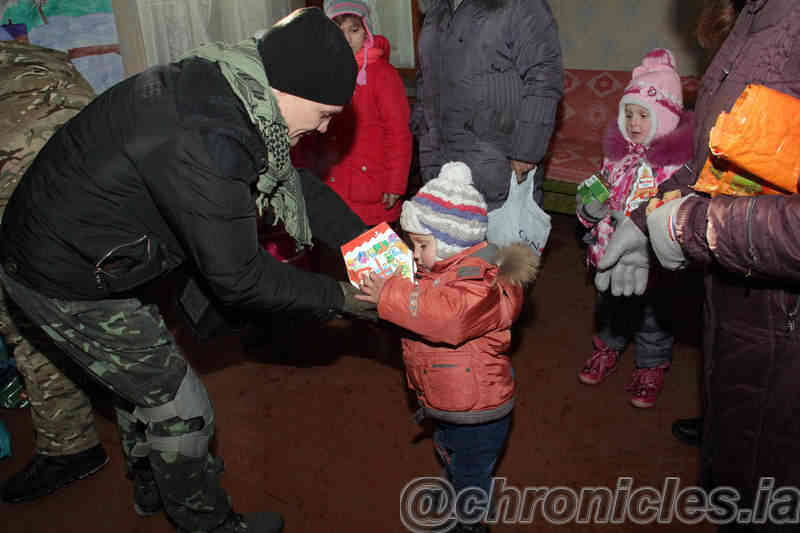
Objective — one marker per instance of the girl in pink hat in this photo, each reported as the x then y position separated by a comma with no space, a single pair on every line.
650,140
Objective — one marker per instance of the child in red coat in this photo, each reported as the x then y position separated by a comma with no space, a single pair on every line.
458,313
366,154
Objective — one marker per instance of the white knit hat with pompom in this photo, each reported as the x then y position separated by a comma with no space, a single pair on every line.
450,208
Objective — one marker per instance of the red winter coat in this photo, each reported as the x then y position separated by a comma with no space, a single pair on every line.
367,149
462,314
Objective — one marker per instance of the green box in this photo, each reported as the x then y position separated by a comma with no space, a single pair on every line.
592,189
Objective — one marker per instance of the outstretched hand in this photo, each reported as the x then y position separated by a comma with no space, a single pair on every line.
389,200
371,287
354,306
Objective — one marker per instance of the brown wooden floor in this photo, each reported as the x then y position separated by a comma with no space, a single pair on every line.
326,437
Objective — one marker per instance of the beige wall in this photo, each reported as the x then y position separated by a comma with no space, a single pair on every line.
616,34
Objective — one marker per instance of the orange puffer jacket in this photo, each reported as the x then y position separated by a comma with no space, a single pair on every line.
461,313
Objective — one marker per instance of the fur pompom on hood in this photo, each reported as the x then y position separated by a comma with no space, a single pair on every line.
674,148
517,263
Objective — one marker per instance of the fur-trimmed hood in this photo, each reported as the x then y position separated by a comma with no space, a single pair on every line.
673,148
517,263
427,5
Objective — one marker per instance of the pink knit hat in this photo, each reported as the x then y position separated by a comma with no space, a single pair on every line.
656,86
334,8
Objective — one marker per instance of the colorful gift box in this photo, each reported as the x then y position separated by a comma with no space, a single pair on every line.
379,251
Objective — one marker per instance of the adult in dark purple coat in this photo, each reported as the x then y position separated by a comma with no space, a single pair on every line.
750,248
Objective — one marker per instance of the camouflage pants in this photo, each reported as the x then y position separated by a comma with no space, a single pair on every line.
125,346
62,414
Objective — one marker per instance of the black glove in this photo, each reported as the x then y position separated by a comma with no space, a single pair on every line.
357,308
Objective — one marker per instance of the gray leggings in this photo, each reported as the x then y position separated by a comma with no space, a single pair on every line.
646,319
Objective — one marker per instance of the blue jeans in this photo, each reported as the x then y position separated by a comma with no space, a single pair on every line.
469,452
644,319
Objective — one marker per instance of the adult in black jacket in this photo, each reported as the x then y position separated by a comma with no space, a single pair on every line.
172,167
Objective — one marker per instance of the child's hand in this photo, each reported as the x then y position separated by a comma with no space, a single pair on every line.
371,286
521,169
389,199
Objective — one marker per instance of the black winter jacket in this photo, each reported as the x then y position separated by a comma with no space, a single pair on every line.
157,171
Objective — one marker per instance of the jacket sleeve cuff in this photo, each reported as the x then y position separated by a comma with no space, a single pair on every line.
691,224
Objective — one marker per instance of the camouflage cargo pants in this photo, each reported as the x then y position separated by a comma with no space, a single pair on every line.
126,347
62,414
40,90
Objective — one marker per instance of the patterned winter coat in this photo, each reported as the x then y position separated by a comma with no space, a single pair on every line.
367,149
750,247
634,172
461,313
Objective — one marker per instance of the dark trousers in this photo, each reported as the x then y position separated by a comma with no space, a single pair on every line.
470,452
126,347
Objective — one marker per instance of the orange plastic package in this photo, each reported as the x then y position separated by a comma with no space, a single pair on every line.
721,177
761,136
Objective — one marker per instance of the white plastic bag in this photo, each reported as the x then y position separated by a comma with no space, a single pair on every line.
520,219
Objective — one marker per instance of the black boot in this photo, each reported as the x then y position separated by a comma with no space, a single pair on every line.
47,473
688,430
146,497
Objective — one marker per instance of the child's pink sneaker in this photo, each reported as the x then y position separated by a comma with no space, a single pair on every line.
600,365
647,384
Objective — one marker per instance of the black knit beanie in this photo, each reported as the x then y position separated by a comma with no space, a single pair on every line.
307,55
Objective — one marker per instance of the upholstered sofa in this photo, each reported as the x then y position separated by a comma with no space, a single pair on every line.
591,100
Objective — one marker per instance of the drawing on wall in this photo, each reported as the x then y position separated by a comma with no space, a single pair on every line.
85,29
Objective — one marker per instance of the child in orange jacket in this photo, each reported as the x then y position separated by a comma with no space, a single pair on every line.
460,309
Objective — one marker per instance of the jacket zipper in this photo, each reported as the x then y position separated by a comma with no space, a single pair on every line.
750,248
791,316
97,266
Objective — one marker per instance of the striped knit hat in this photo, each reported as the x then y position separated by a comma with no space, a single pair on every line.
450,208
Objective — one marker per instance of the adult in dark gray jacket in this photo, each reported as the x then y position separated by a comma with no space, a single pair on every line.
168,168
750,250
489,80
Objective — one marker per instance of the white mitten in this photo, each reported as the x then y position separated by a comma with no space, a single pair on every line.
626,263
